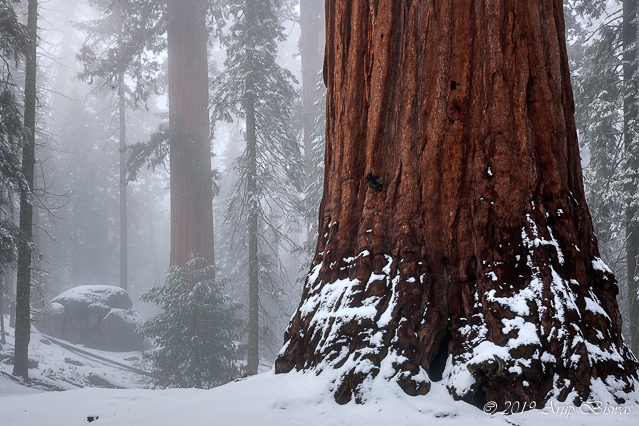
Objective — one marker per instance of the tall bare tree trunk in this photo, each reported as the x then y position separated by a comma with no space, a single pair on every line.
123,179
191,186
155,264
23,285
123,184
455,240
3,340
253,360
75,248
629,35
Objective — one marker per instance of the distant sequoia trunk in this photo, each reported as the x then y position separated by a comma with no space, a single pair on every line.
455,241
191,186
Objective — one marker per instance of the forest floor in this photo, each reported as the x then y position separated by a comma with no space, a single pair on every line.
56,365
113,395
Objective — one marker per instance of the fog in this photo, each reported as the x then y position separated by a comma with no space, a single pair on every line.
94,57
76,188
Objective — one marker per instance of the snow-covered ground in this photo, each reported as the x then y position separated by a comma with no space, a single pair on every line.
265,400
70,367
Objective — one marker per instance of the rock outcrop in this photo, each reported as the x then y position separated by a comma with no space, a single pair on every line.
100,317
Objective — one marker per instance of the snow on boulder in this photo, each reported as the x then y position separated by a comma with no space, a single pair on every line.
118,328
98,316
50,319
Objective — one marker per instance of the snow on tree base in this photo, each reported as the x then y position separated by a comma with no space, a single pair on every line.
546,336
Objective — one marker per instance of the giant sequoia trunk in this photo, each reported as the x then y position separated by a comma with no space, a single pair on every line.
191,186
455,241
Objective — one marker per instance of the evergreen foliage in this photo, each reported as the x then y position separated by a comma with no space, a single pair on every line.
198,332
124,40
315,188
265,205
605,81
598,88
13,41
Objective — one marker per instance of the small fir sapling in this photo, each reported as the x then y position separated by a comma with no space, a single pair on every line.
197,335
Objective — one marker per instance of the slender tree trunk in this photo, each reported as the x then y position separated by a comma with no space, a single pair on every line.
3,340
311,46
191,186
253,360
455,240
123,185
123,180
12,314
23,286
152,242
629,34
75,218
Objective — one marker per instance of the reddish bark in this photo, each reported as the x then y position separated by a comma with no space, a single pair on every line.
455,240
191,187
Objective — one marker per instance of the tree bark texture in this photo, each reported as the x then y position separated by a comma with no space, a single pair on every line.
455,241
23,283
629,35
311,44
191,186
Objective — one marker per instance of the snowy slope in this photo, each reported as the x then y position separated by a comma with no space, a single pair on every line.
69,367
265,400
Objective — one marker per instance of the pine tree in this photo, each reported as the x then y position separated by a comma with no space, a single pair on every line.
13,42
606,88
25,247
314,169
256,89
121,44
197,334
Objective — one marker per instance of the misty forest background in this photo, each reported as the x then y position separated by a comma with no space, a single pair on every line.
79,155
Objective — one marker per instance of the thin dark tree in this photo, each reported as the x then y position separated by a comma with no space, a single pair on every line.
123,177
257,89
23,283
631,146
455,240
3,339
